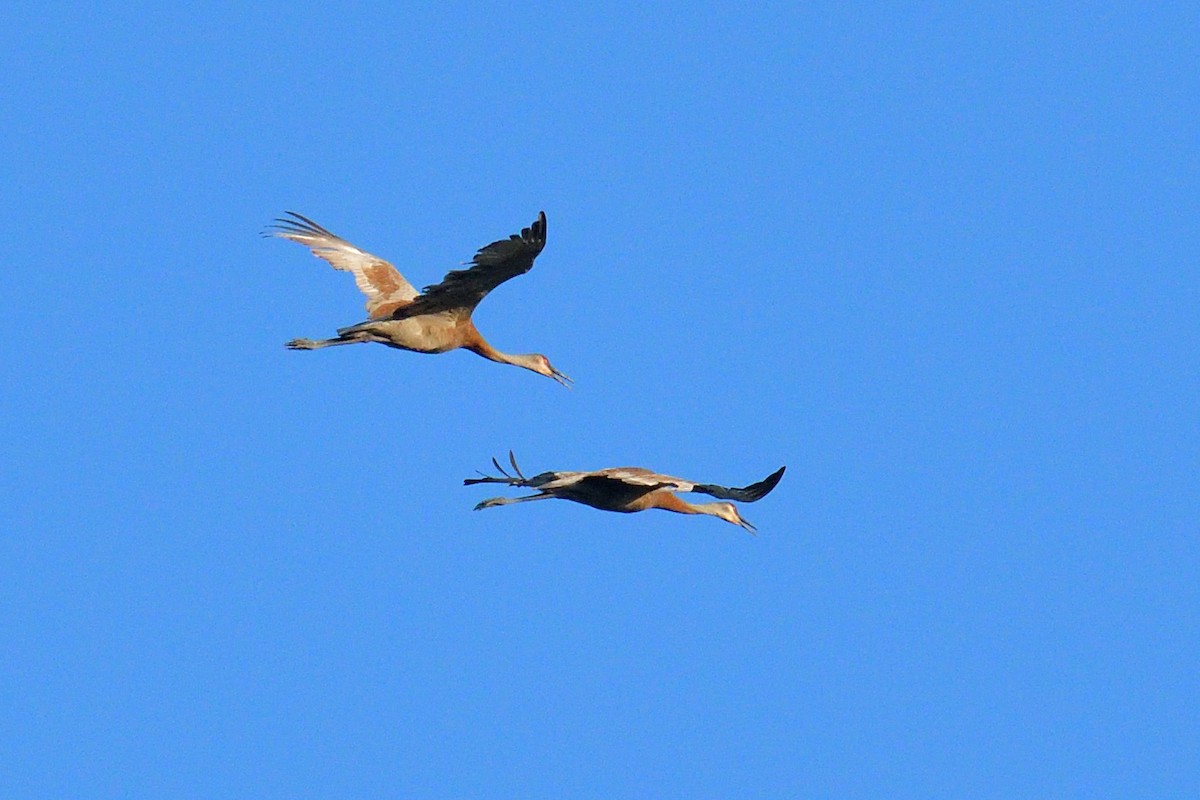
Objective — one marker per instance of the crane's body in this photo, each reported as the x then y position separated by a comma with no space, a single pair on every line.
627,490
429,333
436,320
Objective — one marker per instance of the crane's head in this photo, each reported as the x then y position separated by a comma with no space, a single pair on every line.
542,366
729,513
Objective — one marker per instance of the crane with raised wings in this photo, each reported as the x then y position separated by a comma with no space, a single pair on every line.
626,490
436,319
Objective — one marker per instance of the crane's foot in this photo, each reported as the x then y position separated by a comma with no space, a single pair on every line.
495,501
302,344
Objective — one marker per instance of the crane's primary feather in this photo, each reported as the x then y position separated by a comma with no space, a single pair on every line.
747,494
493,265
385,288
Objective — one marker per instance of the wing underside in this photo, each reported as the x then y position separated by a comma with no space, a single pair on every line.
385,288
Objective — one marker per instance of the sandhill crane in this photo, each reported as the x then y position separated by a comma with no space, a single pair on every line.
439,318
627,489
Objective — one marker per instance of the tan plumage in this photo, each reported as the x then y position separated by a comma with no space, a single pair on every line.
627,490
438,318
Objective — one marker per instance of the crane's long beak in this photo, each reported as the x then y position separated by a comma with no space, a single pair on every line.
746,524
561,378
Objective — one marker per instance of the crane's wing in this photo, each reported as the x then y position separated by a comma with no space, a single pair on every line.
746,494
492,266
620,485
636,476
385,288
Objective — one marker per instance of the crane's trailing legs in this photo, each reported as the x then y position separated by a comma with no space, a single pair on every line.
504,501
317,344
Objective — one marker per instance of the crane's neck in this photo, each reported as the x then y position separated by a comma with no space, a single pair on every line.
480,346
671,502
712,509
530,361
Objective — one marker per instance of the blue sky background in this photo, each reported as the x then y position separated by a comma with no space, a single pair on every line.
939,261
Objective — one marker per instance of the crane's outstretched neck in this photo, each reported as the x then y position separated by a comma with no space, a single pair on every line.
671,502
530,361
480,346
534,362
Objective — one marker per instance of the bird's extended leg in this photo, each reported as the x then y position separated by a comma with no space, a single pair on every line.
317,344
504,501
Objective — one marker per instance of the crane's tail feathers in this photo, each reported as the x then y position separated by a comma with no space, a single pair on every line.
746,494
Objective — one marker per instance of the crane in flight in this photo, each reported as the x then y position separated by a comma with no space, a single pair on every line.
438,318
626,490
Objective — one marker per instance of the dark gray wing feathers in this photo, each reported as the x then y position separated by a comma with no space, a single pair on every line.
493,265
748,494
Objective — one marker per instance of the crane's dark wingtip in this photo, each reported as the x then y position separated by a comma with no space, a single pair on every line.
746,494
764,487
536,232
296,223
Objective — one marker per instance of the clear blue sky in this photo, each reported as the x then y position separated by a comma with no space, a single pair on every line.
942,263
